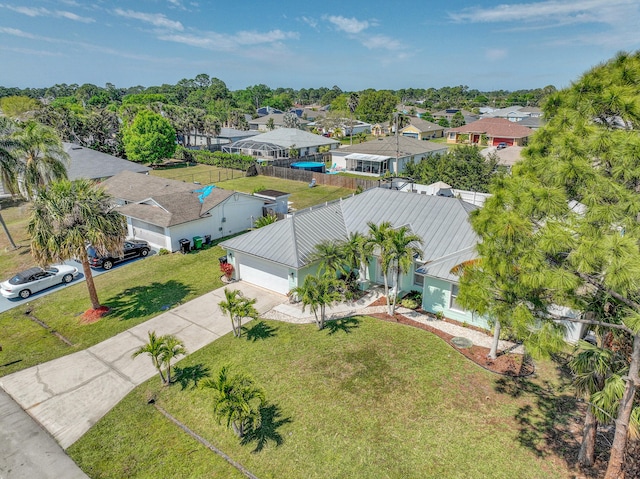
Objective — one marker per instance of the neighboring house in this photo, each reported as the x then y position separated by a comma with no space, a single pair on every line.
276,257
491,132
275,201
277,144
422,130
515,113
95,165
163,211
262,123
411,110
439,188
267,110
311,114
384,154
346,125
469,117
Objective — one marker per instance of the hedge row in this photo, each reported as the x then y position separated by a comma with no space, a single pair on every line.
223,160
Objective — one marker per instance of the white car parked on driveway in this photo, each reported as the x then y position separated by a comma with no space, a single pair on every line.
24,284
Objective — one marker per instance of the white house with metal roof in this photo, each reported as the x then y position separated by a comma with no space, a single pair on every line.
384,154
276,257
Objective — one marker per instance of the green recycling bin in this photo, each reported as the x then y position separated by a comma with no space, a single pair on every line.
197,242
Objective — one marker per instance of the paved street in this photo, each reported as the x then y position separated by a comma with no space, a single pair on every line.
28,451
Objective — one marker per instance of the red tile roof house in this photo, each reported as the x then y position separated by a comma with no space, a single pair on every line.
490,132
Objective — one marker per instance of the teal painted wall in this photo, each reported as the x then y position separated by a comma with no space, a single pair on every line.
436,297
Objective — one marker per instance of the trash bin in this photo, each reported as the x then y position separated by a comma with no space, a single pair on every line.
197,242
222,259
207,239
185,245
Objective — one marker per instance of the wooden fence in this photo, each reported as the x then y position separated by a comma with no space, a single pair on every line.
321,178
209,177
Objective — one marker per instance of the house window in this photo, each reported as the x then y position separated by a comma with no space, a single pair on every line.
453,303
418,279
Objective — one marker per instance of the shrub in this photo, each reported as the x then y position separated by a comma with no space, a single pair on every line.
223,160
163,251
227,269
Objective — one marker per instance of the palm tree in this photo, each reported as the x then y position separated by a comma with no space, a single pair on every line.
237,307
155,349
379,239
65,217
403,250
356,251
598,377
42,158
330,255
211,126
172,347
317,292
237,399
8,164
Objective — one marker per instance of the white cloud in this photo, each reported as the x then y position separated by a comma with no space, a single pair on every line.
376,42
43,12
620,17
155,19
310,21
19,33
29,51
229,42
578,11
495,54
347,25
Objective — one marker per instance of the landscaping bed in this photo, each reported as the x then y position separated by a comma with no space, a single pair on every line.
507,364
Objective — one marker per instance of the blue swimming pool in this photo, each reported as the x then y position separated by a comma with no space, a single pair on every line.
309,166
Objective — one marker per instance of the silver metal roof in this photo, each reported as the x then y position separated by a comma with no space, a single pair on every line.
443,223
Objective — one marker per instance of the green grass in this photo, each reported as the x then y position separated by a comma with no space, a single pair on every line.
363,398
301,195
135,291
203,174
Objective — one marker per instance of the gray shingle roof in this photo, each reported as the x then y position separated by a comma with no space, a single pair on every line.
424,125
441,222
166,202
175,208
132,187
95,165
386,146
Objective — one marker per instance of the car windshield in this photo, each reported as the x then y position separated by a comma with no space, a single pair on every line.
53,270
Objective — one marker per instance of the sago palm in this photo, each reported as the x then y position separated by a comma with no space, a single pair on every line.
237,400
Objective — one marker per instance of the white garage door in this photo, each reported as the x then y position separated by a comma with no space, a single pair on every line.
264,274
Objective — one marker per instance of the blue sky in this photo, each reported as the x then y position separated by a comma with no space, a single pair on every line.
354,44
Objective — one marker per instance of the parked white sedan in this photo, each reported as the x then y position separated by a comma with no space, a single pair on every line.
24,284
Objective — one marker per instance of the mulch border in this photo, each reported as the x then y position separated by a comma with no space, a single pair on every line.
506,364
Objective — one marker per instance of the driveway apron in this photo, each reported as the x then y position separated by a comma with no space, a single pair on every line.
70,394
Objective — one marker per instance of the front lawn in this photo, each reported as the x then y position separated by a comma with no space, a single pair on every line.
136,292
363,398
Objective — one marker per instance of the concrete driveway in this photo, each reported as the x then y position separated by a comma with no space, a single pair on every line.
70,394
